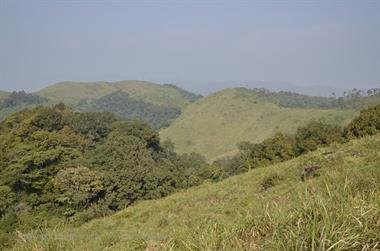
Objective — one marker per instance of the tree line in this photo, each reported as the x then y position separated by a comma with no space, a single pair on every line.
57,165
353,99
281,147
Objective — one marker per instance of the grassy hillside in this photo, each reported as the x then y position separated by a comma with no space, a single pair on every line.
338,208
73,92
137,100
3,95
15,101
215,124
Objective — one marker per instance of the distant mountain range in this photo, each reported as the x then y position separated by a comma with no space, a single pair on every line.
154,103
211,125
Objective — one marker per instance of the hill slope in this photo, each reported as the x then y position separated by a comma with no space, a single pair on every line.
215,124
137,100
3,95
337,209
73,92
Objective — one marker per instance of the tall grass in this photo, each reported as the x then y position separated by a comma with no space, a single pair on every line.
338,209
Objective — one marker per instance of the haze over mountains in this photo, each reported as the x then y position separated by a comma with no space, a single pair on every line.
212,125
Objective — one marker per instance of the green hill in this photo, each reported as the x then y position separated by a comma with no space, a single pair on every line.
3,95
74,92
129,100
336,208
15,101
215,124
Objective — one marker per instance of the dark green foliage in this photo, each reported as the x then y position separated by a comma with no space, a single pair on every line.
367,123
281,147
316,134
137,167
270,151
78,186
128,108
21,98
7,196
93,125
140,130
354,99
59,164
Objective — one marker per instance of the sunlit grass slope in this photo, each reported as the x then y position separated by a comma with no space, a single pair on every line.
267,208
215,124
73,92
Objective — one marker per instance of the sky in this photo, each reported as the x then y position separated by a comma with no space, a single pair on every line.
194,44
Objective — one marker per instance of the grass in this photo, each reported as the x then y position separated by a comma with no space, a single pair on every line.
3,95
215,124
73,92
337,209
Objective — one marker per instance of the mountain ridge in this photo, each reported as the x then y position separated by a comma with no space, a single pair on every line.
72,92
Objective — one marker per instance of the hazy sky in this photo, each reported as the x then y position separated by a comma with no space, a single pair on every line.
334,43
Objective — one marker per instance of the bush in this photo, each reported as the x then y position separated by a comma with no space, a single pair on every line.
78,186
314,134
367,123
7,196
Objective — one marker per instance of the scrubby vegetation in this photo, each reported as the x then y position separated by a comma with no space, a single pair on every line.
59,165
214,125
338,209
308,138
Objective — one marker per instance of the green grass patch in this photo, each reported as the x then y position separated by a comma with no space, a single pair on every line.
337,210
214,125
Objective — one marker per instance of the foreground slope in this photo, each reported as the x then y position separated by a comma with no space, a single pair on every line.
268,208
73,92
214,125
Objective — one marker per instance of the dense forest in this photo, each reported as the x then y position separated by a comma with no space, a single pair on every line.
57,165
21,98
125,107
